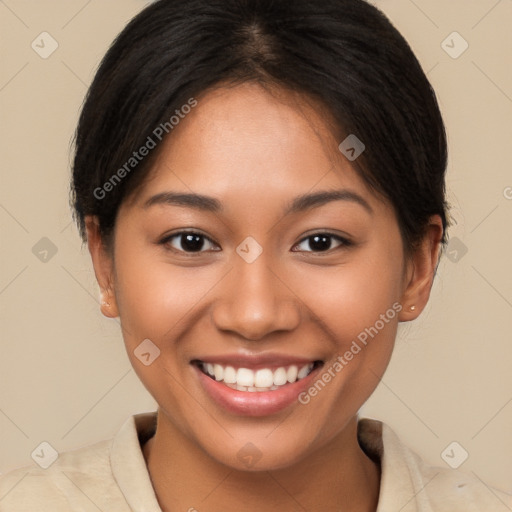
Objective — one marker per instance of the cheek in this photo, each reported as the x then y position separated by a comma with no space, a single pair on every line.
358,306
157,300
352,297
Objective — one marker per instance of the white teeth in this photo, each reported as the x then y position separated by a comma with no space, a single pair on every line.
291,374
263,379
280,377
245,377
304,371
229,375
218,372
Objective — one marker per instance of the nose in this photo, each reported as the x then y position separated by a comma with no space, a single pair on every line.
255,301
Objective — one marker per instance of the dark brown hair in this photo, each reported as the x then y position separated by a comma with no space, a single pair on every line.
344,53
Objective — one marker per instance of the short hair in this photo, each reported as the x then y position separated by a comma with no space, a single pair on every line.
345,54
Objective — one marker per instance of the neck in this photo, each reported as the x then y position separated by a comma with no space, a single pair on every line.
338,477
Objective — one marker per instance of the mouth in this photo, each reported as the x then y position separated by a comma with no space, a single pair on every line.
263,379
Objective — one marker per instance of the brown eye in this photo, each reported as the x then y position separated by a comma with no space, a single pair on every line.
322,242
188,242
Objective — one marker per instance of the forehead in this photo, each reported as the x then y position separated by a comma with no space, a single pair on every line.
245,142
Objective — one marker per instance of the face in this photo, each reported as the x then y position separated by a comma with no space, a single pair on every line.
254,252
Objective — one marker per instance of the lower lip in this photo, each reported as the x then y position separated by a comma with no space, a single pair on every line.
254,403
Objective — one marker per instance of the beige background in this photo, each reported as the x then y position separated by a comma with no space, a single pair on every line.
64,375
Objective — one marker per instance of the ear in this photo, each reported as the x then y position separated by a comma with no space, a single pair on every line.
103,267
420,272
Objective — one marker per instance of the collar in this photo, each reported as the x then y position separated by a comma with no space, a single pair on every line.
128,464
404,476
400,486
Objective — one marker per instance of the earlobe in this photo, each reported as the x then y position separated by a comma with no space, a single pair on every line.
108,309
420,278
103,267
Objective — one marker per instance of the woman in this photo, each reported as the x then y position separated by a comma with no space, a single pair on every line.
261,187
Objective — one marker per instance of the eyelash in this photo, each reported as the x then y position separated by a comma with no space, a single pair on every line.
344,242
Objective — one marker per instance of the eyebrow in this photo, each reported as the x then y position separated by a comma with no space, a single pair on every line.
299,204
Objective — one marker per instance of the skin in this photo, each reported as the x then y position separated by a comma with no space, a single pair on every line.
255,151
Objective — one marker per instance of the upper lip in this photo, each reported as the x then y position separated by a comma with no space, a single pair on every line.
255,361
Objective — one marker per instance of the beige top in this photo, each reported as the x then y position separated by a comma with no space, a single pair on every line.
112,476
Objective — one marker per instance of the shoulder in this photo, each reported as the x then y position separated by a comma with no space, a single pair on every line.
75,481
452,490
410,485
